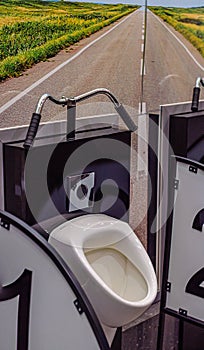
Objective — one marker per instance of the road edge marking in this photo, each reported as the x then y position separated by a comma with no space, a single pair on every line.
180,42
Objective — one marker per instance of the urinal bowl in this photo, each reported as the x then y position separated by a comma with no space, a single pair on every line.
111,265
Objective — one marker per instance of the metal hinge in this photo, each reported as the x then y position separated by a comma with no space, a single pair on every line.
5,224
193,169
168,286
176,184
183,312
78,306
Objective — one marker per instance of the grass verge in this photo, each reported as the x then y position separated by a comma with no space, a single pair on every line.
91,18
188,22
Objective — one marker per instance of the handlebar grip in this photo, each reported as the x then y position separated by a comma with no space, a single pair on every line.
126,118
32,130
195,99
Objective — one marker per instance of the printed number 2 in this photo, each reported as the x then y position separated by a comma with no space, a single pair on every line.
21,287
195,285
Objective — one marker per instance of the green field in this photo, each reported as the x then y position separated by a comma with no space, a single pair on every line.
189,22
32,31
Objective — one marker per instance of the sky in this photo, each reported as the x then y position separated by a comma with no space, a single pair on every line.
173,3
167,3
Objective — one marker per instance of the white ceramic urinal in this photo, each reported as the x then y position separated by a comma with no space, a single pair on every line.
110,263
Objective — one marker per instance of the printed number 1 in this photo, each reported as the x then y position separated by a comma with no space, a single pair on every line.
21,287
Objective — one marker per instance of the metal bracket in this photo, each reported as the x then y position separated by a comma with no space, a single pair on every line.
168,286
5,224
183,312
78,306
193,169
176,184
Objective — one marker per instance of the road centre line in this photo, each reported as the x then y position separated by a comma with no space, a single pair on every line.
142,47
180,42
48,75
142,36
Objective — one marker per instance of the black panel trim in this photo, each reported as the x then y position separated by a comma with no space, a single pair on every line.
152,186
190,162
188,319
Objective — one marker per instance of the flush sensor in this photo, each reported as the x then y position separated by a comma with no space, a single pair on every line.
80,191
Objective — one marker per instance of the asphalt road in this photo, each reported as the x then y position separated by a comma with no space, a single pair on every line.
172,65
112,61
